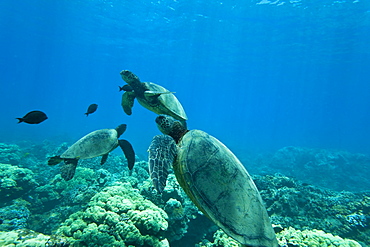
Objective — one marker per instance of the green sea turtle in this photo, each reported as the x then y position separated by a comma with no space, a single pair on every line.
97,143
150,95
213,178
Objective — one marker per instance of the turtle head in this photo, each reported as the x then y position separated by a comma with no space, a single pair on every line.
121,129
129,77
133,81
170,126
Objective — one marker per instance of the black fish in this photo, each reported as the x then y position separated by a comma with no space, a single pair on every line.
33,117
92,108
126,88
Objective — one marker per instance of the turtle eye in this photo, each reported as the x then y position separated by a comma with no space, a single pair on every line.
159,119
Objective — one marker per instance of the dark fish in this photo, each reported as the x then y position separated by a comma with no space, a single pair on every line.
126,88
92,108
33,117
1,221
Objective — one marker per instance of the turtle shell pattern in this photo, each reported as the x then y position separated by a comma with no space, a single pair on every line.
221,187
92,145
168,103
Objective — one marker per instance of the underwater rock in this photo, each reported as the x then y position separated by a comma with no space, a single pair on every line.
28,238
117,216
15,182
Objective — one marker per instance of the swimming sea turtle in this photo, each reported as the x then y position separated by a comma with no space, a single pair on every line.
213,178
150,95
94,144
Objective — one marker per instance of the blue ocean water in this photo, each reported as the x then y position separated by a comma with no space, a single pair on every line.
258,75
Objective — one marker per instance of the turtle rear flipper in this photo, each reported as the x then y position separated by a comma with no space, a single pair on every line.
162,152
127,102
104,159
55,160
68,169
129,152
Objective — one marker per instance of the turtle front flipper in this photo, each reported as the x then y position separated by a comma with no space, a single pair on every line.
68,169
156,94
162,153
129,152
127,102
55,160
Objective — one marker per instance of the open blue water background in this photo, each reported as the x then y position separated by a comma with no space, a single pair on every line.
258,75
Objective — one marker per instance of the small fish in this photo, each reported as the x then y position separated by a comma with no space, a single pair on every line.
126,88
92,108
33,117
1,221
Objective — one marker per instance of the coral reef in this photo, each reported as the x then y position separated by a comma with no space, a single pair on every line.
52,203
10,154
15,182
15,216
220,239
28,238
302,206
337,170
177,205
312,238
120,207
117,216
288,237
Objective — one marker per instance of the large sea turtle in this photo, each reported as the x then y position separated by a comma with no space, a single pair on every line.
150,95
97,143
213,178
